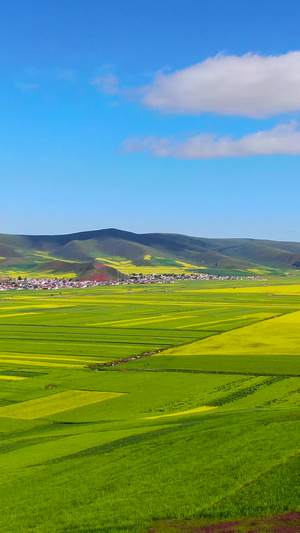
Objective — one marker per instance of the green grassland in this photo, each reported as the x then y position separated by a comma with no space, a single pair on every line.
199,421
31,255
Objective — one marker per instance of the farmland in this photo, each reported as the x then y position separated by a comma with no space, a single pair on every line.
128,409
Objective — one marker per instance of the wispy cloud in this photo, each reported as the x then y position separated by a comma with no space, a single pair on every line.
27,87
251,85
283,139
108,84
50,74
64,74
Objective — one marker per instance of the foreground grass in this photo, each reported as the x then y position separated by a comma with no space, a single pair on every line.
205,466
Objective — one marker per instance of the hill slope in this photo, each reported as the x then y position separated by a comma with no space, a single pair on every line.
150,252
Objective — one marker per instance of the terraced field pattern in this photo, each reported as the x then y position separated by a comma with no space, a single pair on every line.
163,408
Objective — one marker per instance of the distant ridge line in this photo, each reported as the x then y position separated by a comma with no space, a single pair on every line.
162,251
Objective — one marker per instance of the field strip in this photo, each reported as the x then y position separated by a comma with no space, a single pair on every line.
36,363
169,303
289,290
63,357
259,316
75,343
12,315
211,372
191,411
38,305
55,403
12,307
148,320
132,320
12,378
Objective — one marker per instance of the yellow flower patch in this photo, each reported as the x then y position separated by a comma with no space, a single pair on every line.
257,317
41,357
189,412
147,320
12,315
56,403
38,363
289,290
12,378
276,336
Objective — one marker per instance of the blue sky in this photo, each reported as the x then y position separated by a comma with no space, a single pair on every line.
105,125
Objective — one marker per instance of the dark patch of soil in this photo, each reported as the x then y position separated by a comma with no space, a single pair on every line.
285,523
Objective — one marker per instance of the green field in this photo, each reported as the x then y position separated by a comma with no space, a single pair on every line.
199,422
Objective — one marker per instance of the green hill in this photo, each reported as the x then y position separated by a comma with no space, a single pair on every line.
151,252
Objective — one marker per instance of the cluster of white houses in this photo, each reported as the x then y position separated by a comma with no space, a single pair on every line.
141,279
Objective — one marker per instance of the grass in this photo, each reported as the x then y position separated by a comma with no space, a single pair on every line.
204,428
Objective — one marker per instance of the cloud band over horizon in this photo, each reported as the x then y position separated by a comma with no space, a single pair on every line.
283,139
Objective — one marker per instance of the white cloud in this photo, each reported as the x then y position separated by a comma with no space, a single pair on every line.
283,139
251,85
107,84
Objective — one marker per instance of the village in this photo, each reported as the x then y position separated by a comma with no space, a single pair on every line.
136,279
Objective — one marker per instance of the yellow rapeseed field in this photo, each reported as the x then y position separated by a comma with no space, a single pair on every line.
276,336
128,267
45,255
147,320
36,304
289,290
35,274
189,412
256,316
12,378
36,363
41,357
191,266
12,315
56,403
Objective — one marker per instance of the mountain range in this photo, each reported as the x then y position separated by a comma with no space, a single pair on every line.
128,252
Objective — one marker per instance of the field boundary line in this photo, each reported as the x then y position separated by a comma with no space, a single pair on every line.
108,368
118,443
